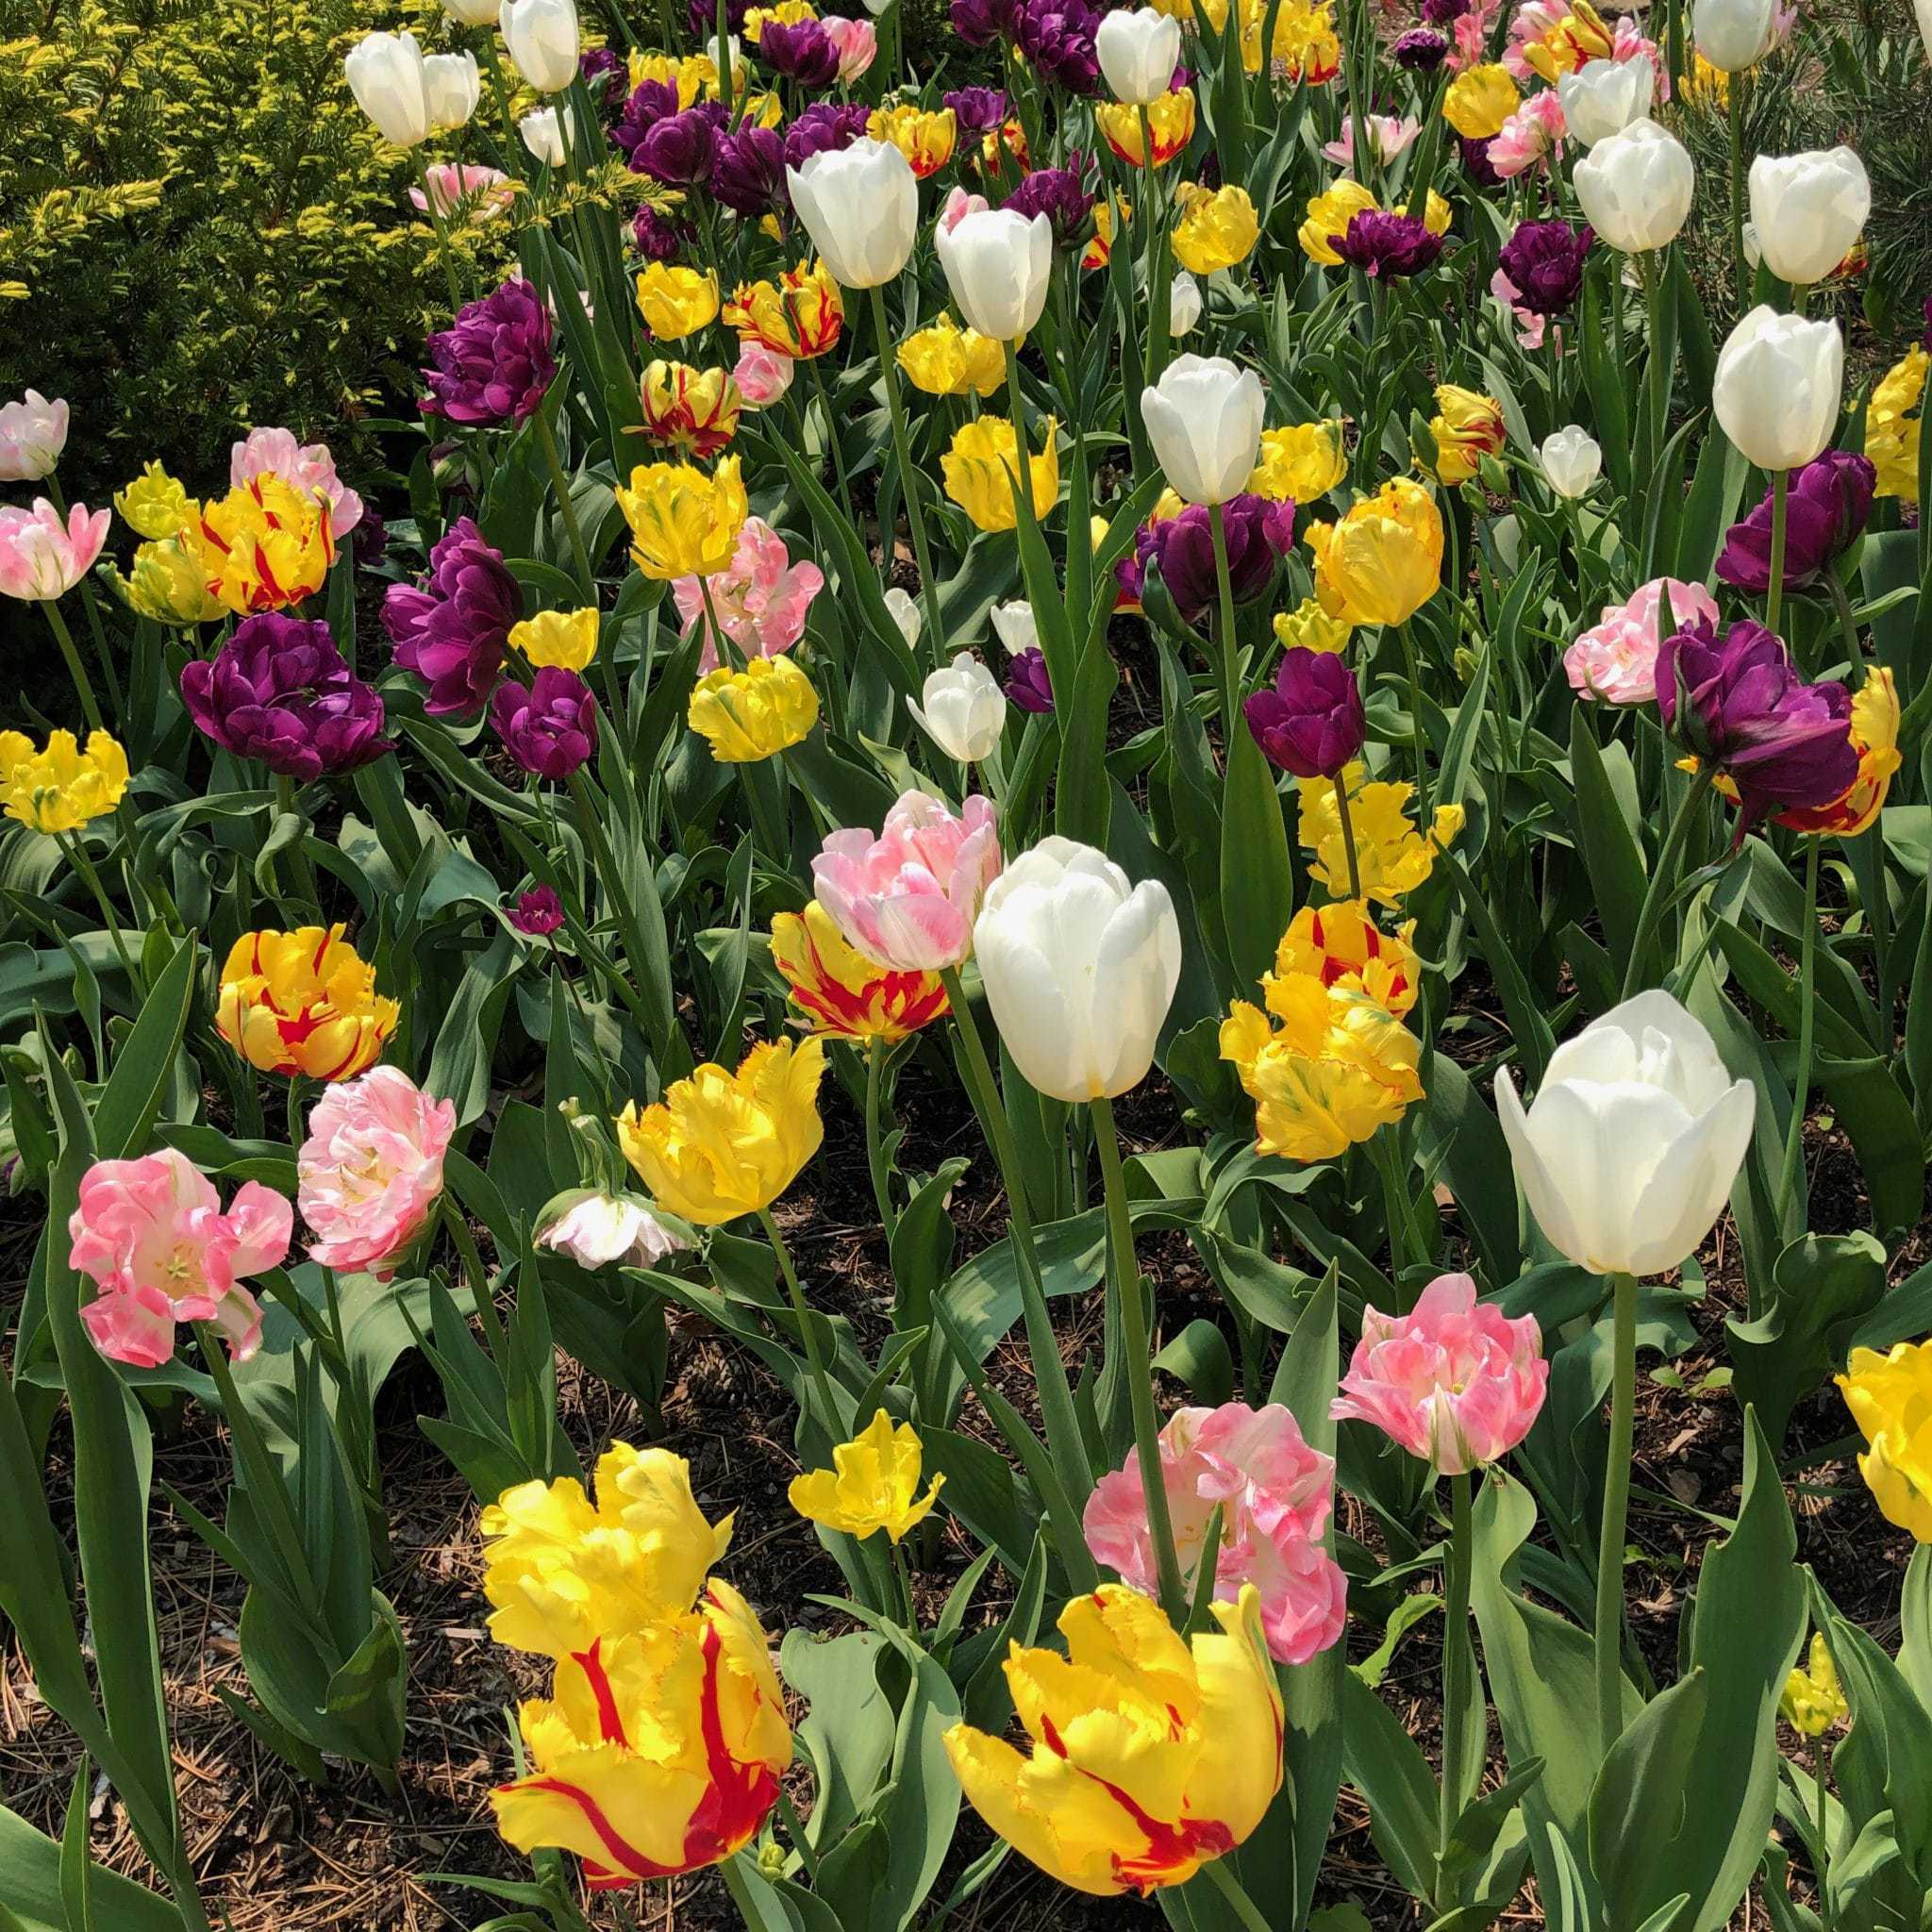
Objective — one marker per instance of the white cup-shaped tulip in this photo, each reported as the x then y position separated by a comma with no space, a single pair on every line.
860,207
1628,1153
1635,187
545,134
1139,52
1604,97
904,610
1017,627
963,710
1204,419
1183,305
543,39
1572,460
1734,34
473,12
1780,383
998,265
1079,967
1808,209
1924,10
385,74
451,86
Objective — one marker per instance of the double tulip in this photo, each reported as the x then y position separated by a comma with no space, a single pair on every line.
303,1002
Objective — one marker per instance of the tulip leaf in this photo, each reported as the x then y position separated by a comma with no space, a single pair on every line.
1606,840
1257,876
31,1888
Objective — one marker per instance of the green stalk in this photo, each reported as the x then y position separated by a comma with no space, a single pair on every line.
834,1421
723,56
75,850
1733,111
1790,1176
1663,880
876,1053
838,450
76,668
1342,812
1419,737
1610,1558
1658,371
552,462
1244,1908
908,479
1457,1666
93,605
795,1827
1775,589
442,226
1821,1775
1231,722
1158,260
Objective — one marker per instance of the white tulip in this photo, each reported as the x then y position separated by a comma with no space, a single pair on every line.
385,74
1635,187
1808,209
595,1229
1204,419
860,207
542,41
998,265
1734,34
1627,1155
1572,460
904,610
473,12
1603,97
33,433
1139,52
1079,968
1016,625
547,134
1780,380
1924,10
964,709
451,86
1183,305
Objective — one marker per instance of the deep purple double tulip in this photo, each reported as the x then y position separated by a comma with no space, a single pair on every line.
653,236
1310,720
1027,682
976,110
453,629
1063,198
551,728
1421,50
1058,37
824,127
749,175
1825,508
1475,160
494,361
537,913
650,102
1739,705
979,23
1386,246
800,51
1260,534
278,690
681,149
1545,262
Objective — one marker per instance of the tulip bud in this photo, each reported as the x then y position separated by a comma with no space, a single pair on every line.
1604,97
33,433
542,39
1138,52
1734,34
904,610
1635,187
473,12
964,711
451,87
1572,460
1809,210
860,207
546,135
1079,968
385,74
1016,625
998,265
1183,305
1778,386
1204,419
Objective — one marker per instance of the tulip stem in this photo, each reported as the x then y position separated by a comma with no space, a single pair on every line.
1609,1555
1130,1292
441,227
1342,812
795,1829
1404,1244
1159,265
1821,1770
1225,584
1459,1661
1419,737
71,843
1663,880
546,442
1733,110
909,478
471,1257
833,443
875,1054
1775,587
76,670
1244,1908
1790,1185
834,1421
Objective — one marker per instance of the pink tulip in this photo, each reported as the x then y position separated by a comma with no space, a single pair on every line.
1390,135
1630,45
1454,1382
762,375
761,597
370,1169
1530,136
1530,324
152,1233
481,193
33,432
1616,660
908,897
41,558
958,205
308,467
1275,1494
858,42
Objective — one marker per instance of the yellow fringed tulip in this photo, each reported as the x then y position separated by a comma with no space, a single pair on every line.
1875,722
692,75
981,468
303,1002
1892,420
684,523
1310,627
947,360
264,547
1467,425
925,138
1479,100
786,12
1890,1399
801,314
873,1486
1342,945
1305,46
753,714
155,505
1383,561
1170,120
166,584
62,788
557,640
676,302
1577,38
1218,228
1301,462
1393,857
1812,1702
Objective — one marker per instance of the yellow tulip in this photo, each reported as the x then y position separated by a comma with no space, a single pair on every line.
721,1144
786,12
1393,858
676,302
873,1486
1170,120
692,75
156,506
684,523
264,547
947,360
1479,100
1099,250
62,788
1579,36
562,1571
166,584
1890,1399
557,640
753,714
1310,627
1328,216
1305,46
1892,419
1151,1756
303,1002
1218,228
694,411
1301,462
1383,561
1342,945
801,314
1467,425
843,994
983,465
925,138
1812,1702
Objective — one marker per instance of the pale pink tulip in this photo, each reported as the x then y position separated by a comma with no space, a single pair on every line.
1454,1382
1389,136
33,432
1470,36
908,897
858,42
1530,324
1530,136
761,597
1630,45
152,1233
596,1228
42,557
1616,660
762,375
308,467
479,194
1275,1494
958,205
370,1169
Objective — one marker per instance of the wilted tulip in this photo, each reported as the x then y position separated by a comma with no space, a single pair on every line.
1734,34
1604,97
1809,210
542,41
1571,460
963,711
1204,419
385,74
1137,52
1636,187
1778,386
998,265
860,207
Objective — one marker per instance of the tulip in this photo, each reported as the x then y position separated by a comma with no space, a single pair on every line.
1342,945
565,638
1393,857
1421,50
683,521
451,88
1256,533
1300,463
750,715
267,545
691,410
760,600
1808,209
1825,509
903,611
1545,262
799,316
1183,306
842,994
537,913
824,127
856,43
1734,35
1615,660
924,138
1635,187
999,266
1310,627
62,788
1217,229
748,175
1137,52
1890,1399
946,361
542,39
962,711
1477,102
166,585
1813,1701
1604,97
1571,460
550,728
1204,419
494,362
1017,627
370,1170
33,433
1310,720
1778,386
1029,683
981,468
763,374
1386,246
44,556
801,51
872,1485
1060,38
860,207
1874,739
1383,560
452,629
308,467
303,1002
547,134
1062,195
597,1230
384,74
1467,426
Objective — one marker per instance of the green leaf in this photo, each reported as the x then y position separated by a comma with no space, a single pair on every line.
1605,840
1198,1356
1257,877
1637,1790
144,1067
30,1889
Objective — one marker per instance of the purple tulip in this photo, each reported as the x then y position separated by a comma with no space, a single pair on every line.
1825,509
550,728
371,540
537,913
1475,159
1421,50
1027,683
749,175
1062,197
824,127
278,690
453,630
1058,37
703,18
1444,12
680,150
1258,533
1312,720
1739,705
653,236
1544,261
801,51
607,78
650,102
1386,245
494,361
976,110
980,22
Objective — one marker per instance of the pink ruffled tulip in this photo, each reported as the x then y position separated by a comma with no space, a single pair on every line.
762,375
1616,660
482,193
152,1233
1389,135
371,1170
1530,136
1528,324
42,557
308,467
1275,1494
1454,1382
761,597
858,42
958,205
908,897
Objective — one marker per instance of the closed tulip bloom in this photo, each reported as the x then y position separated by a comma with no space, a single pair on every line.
842,994
451,629
1604,97
1151,1754
537,913
1342,945
1137,52
1204,419
694,411
1808,209
683,521
998,265
1628,1153
1383,560
540,37
721,1144
1386,246
1310,720
596,1230
856,43
1029,683
860,207
873,1486
550,728
1734,35
303,1002
1827,505
1183,305
33,433
384,74
1079,967
451,87
1308,625
1395,856
566,639
1545,262
1454,1383
981,467
61,788
963,710
750,715
370,1170
1780,383
1813,1701
1635,187
44,556
763,374
1890,1399
547,134
1571,460
1062,197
